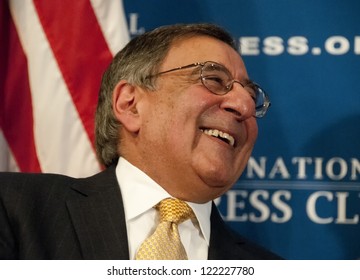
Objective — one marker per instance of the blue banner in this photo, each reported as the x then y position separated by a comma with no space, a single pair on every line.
300,193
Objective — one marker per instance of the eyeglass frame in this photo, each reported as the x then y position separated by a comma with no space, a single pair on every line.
259,112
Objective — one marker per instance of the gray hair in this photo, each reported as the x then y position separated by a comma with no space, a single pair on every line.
139,59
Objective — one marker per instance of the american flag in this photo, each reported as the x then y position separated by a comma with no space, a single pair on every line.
52,56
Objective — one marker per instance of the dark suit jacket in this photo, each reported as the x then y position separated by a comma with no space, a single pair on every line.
47,216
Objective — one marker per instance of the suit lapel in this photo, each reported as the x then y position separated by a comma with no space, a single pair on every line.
224,245
98,217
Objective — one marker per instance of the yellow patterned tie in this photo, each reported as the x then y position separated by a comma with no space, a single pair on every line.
165,243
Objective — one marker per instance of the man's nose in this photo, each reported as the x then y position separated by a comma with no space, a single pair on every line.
239,102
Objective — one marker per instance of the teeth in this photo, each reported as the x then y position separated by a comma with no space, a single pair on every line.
217,133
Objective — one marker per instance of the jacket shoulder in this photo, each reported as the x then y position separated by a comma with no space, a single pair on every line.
27,183
45,186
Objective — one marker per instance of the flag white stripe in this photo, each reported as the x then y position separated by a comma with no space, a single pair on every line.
112,21
7,160
61,141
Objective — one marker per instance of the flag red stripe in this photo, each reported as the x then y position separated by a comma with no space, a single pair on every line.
75,39
16,118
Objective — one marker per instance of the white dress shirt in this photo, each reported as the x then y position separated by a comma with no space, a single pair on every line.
140,194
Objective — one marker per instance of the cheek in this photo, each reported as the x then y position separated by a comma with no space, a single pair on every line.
174,117
166,127
180,133
252,131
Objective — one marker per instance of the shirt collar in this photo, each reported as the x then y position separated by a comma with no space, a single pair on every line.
140,193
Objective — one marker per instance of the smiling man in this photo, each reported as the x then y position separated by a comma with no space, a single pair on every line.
175,127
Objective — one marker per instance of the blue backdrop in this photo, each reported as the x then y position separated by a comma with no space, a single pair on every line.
300,193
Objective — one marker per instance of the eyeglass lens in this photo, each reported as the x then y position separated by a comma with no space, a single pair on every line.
218,80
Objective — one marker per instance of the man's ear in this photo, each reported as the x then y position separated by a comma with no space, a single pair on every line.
125,98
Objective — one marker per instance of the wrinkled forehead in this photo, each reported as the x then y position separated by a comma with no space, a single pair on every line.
201,49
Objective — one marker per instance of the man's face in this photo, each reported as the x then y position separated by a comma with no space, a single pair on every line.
179,122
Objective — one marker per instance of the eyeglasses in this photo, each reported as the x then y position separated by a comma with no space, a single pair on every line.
218,80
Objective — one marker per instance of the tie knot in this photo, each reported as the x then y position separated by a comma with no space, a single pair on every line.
174,210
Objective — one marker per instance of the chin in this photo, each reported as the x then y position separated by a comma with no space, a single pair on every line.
222,176
214,192
219,181
209,188
204,196
216,178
